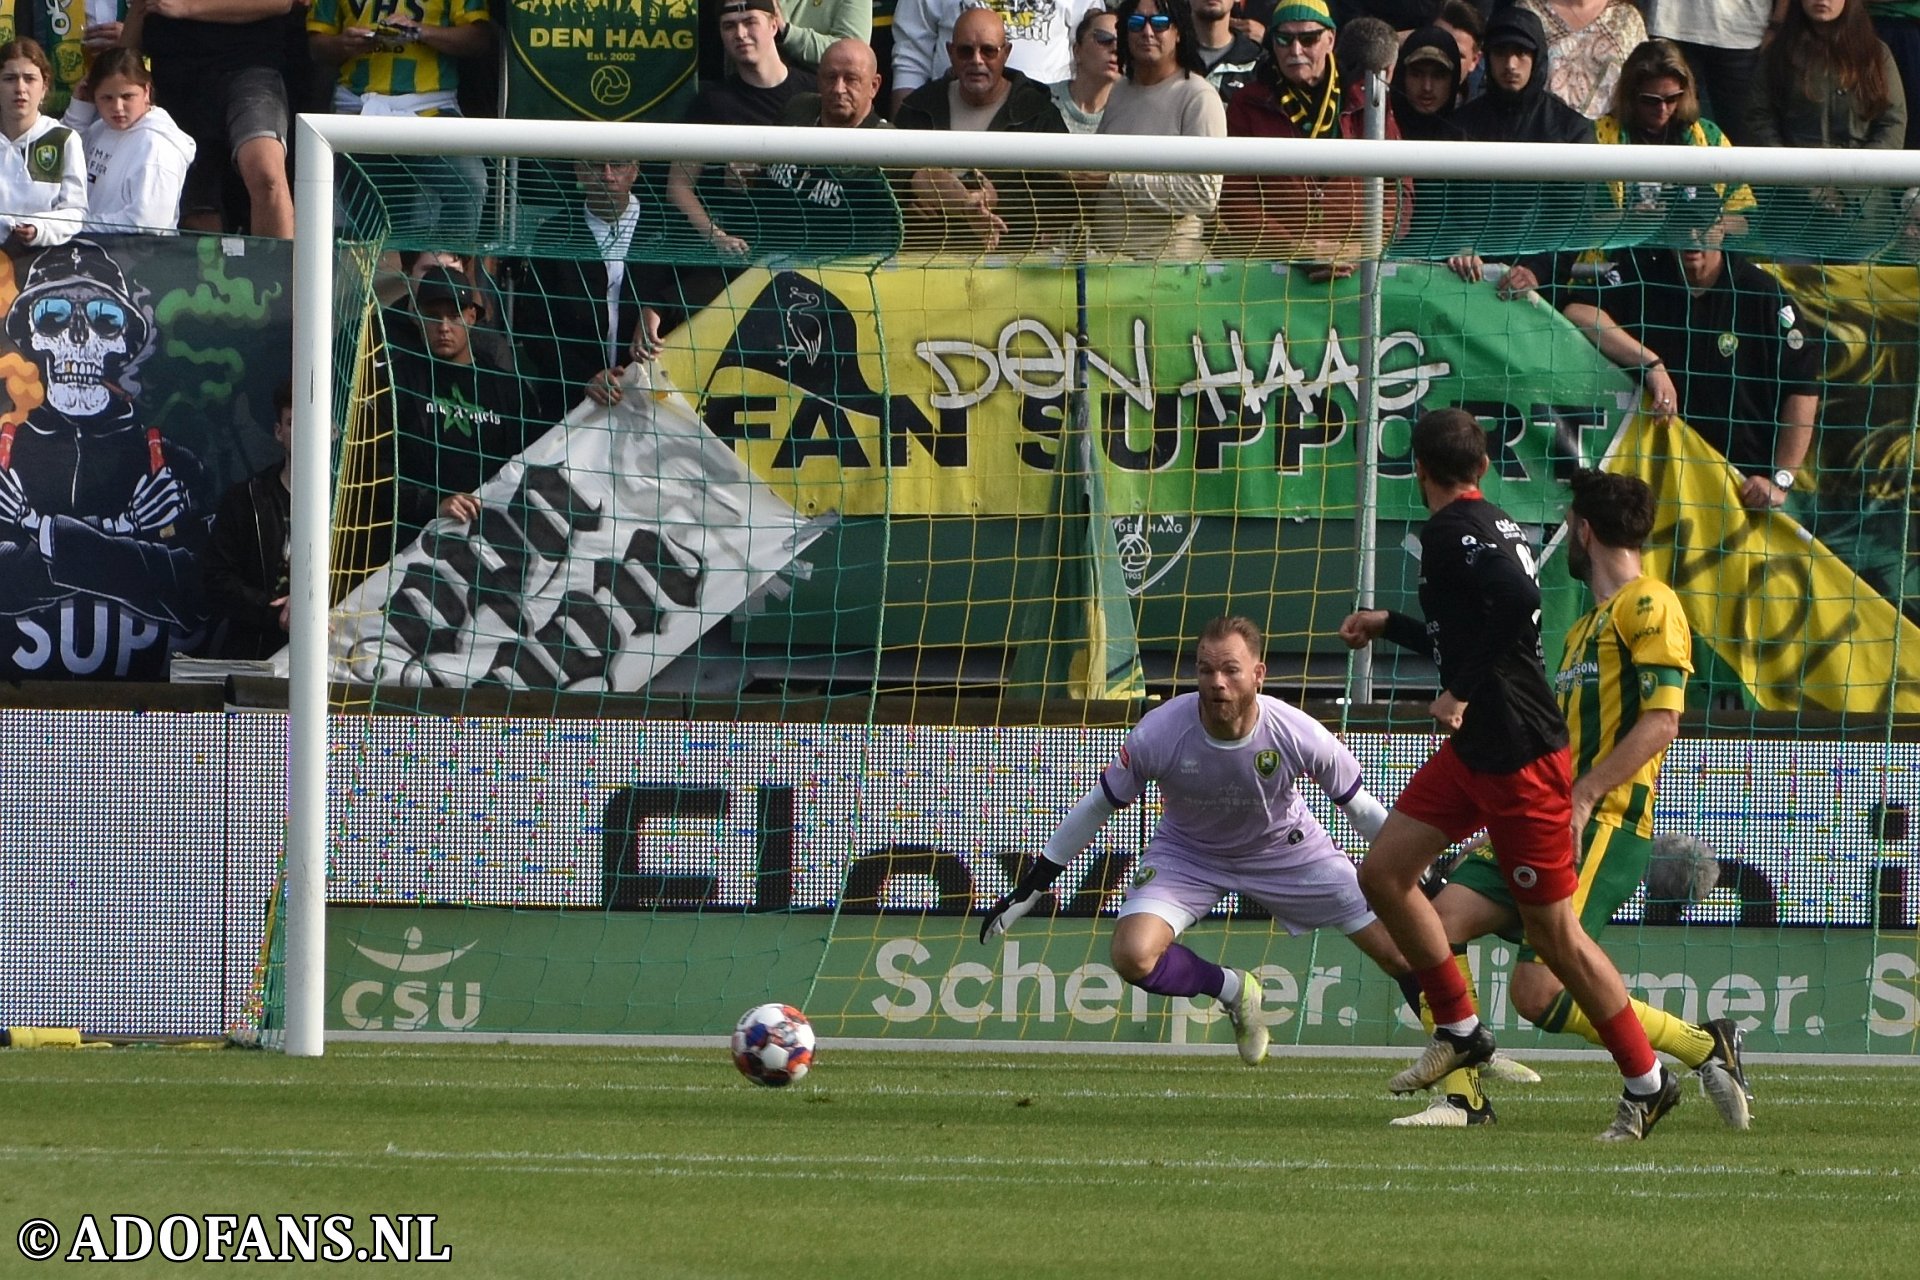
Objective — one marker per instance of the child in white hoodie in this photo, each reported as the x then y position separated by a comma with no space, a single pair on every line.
43,175
137,157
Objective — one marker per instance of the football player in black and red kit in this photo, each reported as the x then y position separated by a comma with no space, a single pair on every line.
1504,768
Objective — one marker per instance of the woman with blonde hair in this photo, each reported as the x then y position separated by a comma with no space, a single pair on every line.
1657,103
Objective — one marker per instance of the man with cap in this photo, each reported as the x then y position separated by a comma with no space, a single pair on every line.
457,416
757,91
1426,86
1298,93
1716,341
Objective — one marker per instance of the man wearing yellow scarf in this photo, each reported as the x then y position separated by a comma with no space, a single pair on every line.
1297,94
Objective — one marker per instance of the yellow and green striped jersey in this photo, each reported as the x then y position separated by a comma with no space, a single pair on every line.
1631,654
401,68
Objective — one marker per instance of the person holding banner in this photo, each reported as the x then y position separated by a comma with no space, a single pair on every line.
458,416
1716,341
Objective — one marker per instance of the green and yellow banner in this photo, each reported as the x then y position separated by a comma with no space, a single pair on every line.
1796,623
1215,389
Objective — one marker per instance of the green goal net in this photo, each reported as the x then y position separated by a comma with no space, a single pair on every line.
667,686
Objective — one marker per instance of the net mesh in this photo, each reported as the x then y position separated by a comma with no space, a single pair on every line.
758,671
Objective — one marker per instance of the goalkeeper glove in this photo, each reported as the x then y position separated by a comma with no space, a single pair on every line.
1025,896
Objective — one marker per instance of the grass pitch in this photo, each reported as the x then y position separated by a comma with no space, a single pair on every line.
565,1162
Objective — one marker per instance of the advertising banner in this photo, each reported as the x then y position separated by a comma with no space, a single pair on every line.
425,970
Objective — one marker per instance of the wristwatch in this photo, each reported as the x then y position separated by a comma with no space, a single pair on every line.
1783,478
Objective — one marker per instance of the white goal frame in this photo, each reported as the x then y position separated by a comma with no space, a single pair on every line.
322,137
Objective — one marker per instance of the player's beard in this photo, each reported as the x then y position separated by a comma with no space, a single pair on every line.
1579,559
1224,719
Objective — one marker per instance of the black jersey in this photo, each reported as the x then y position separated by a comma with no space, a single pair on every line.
1482,604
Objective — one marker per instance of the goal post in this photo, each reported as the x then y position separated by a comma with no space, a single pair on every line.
853,959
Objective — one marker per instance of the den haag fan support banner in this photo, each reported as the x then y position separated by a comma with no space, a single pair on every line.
601,553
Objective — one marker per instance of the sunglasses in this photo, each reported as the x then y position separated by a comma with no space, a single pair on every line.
985,52
1141,21
1305,39
104,317
1660,99
1104,37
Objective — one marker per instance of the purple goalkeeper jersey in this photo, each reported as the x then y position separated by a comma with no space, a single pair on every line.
1224,799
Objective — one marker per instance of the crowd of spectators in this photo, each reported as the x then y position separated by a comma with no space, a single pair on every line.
179,116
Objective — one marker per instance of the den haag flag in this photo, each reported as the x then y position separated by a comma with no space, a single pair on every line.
601,554
1791,618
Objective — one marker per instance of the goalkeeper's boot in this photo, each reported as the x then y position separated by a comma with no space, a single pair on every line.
1638,1113
1504,1069
1445,1052
1723,1079
1249,1032
1454,1111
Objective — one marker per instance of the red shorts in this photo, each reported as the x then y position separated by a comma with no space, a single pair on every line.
1528,815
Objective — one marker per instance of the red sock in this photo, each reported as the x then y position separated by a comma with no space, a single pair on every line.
1626,1040
1447,993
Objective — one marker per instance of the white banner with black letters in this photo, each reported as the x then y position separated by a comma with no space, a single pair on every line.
601,553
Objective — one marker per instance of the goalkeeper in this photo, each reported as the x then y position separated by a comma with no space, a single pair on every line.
1621,686
1226,758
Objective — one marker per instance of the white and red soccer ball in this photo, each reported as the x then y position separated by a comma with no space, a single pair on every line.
773,1044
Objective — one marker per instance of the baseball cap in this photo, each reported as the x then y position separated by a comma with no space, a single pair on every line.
745,6
1426,53
443,284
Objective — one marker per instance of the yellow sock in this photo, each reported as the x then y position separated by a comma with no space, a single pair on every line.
1669,1034
1465,1082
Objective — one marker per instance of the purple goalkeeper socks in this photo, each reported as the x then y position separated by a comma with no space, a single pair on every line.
1182,973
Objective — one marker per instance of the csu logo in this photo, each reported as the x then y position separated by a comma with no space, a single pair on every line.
1266,762
374,1004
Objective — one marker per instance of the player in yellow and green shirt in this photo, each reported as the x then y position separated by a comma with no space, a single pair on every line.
1621,686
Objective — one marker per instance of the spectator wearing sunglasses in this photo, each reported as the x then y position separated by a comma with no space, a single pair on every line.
1656,104
1165,92
1040,34
971,210
1081,99
1298,94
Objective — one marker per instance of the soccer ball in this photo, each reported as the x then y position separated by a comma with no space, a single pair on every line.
773,1044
